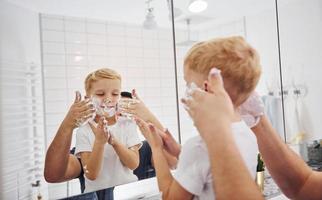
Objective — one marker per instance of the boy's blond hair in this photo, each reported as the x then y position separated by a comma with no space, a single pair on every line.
238,61
100,74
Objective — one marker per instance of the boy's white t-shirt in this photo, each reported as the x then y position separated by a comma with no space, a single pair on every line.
194,171
113,172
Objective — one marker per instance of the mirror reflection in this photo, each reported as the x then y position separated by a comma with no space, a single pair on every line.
119,57
135,46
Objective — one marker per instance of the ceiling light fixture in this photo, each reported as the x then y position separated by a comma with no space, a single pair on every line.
176,11
197,6
188,41
149,22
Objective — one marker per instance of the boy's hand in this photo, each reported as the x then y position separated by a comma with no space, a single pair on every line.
169,143
79,112
151,133
252,110
102,136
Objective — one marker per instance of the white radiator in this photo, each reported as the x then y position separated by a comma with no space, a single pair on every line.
22,130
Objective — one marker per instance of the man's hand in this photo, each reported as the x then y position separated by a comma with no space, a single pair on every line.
136,107
252,110
253,105
209,110
169,143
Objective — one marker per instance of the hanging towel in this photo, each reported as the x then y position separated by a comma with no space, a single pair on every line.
303,121
274,112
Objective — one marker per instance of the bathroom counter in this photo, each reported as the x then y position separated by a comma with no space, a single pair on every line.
144,189
148,189
271,190
279,197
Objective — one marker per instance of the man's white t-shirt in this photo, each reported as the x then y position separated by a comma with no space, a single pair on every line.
194,171
113,172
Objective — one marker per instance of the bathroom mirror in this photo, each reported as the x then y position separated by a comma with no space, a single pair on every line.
253,20
300,44
52,46
133,38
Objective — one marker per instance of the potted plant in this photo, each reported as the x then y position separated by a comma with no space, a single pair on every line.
260,175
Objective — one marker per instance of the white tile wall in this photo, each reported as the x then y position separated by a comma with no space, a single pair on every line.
72,25
73,47
53,36
52,24
116,29
78,38
164,34
151,44
98,61
54,59
53,47
57,190
54,95
76,59
98,28
55,83
116,51
115,40
52,71
78,49
132,31
96,49
99,39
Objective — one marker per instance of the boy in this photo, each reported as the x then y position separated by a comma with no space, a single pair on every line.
240,68
108,158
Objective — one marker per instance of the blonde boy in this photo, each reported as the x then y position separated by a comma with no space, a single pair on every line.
240,69
108,158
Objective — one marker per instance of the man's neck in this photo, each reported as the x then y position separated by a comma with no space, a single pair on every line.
111,120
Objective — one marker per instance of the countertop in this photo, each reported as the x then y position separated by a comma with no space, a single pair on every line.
148,189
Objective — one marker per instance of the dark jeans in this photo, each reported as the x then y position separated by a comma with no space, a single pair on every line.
105,194
81,175
86,196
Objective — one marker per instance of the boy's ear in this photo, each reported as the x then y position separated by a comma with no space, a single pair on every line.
205,86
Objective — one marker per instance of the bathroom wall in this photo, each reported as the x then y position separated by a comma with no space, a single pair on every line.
301,41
